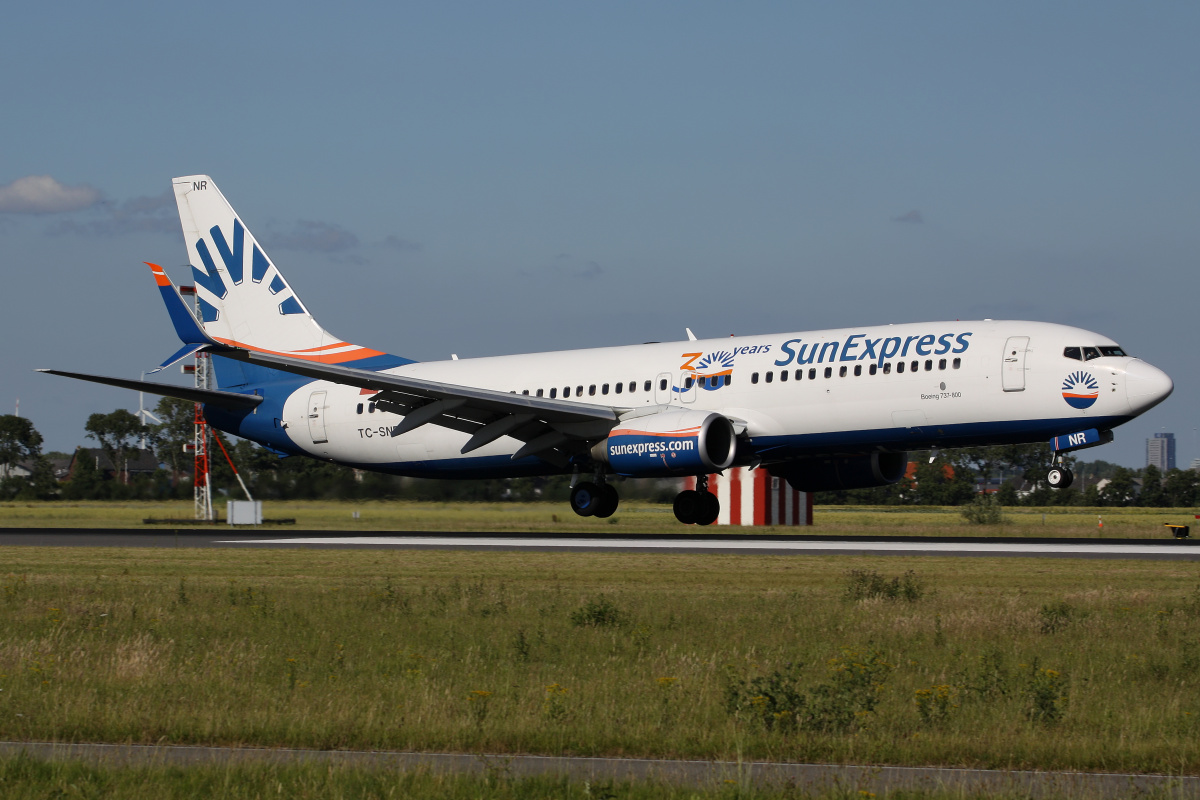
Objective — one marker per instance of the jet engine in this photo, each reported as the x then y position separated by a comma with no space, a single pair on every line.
831,473
684,442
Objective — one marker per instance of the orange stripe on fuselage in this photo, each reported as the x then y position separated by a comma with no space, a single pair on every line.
333,358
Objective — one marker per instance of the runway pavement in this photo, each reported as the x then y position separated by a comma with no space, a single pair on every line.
628,543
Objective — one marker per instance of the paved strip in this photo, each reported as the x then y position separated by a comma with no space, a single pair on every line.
701,774
735,545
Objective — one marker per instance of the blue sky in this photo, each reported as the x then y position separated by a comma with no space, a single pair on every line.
485,178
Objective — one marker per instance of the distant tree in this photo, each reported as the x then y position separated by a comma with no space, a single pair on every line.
946,481
117,433
176,430
1153,494
87,481
1121,489
1181,487
19,440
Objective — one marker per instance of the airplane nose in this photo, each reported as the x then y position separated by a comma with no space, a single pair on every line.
1146,385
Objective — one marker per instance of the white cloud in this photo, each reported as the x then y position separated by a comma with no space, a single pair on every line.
42,194
307,234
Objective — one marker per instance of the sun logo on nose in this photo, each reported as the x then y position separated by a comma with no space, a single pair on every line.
1080,390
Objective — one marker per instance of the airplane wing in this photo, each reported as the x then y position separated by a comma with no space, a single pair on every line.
230,400
549,428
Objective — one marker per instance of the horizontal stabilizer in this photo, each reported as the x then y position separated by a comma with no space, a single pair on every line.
230,400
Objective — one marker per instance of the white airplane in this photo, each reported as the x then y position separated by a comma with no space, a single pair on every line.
832,409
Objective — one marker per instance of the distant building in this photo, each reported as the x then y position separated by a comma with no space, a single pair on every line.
1195,465
1160,451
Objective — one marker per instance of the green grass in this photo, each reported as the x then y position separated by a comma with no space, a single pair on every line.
633,517
1058,664
24,778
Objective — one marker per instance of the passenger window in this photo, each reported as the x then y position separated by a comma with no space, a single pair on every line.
579,391
799,374
566,391
370,408
929,365
899,366
359,409
525,391
874,368
553,392
633,386
812,373
619,387
754,377
687,384
646,386
941,363
783,374
1073,352
662,384
604,389
592,390
842,372
957,363
829,372
1089,353
887,368
916,365
770,376
539,392
857,370
728,379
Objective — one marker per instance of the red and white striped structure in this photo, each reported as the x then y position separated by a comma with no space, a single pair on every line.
755,497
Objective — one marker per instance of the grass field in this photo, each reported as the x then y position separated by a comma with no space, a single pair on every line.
27,779
633,517
1055,663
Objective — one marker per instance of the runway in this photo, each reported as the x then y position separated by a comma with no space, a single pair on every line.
628,543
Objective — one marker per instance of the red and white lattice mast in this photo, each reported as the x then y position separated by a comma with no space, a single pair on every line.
201,485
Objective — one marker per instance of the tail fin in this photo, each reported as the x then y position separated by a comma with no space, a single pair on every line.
244,300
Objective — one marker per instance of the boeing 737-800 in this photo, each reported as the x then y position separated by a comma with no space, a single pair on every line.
822,409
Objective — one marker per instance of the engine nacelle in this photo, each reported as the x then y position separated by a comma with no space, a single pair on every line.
827,474
684,442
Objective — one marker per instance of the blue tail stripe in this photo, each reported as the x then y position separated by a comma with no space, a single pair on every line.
185,324
232,259
258,265
211,279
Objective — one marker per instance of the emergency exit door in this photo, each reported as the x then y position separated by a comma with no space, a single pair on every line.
1012,373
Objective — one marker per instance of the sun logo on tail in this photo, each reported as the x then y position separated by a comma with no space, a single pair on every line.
1080,390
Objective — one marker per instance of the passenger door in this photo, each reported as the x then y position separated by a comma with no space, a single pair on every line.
1012,373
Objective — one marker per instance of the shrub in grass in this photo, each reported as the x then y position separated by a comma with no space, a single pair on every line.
1046,695
866,584
1056,616
599,612
985,509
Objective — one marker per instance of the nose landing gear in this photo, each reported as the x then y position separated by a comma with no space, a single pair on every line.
1059,476
698,506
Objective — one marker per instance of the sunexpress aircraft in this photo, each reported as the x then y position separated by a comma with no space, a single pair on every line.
833,409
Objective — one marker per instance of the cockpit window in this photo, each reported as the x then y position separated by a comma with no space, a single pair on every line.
1073,352
1089,353
1112,351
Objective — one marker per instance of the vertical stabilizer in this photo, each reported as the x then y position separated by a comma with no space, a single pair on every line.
244,300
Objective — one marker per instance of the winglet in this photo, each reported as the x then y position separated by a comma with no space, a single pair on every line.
186,327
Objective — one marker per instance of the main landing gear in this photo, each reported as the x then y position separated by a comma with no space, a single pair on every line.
590,499
1059,476
698,506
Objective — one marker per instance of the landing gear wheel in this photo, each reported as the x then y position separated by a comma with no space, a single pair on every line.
687,506
710,509
1059,477
585,498
608,501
